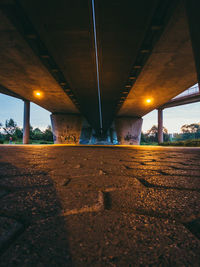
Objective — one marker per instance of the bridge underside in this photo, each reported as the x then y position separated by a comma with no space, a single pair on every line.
144,52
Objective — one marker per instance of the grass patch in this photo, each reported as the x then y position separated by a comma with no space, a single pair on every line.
189,143
33,142
40,142
149,144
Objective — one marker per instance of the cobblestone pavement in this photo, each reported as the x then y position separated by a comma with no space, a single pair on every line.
99,206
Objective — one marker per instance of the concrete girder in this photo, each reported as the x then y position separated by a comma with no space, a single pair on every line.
169,70
192,10
22,72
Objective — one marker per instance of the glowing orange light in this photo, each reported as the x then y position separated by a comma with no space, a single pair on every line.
38,94
148,100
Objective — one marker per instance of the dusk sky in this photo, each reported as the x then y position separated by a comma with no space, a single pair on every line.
174,118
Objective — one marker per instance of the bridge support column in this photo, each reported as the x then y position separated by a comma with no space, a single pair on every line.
128,130
86,133
26,125
192,9
66,128
160,126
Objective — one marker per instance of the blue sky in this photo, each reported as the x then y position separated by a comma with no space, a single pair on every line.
174,118
11,107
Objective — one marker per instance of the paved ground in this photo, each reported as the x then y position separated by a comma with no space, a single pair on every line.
99,206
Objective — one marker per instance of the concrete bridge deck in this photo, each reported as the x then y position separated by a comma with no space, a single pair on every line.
99,206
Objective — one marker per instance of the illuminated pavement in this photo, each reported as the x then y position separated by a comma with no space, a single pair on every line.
99,206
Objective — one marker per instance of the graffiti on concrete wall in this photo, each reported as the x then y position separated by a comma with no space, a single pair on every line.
131,138
69,136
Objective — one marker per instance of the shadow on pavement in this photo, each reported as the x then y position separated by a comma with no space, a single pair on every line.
32,232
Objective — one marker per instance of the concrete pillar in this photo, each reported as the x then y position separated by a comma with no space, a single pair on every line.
66,128
26,126
86,134
111,131
192,10
160,126
128,130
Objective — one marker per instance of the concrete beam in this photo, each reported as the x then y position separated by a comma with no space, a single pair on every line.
66,128
26,126
169,70
182,101
8,92
192,10
128,130
160,126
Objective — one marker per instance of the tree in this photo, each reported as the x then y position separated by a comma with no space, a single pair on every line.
154,130
191,128
10,127
37,134
143,138
48,135
191,131
18,134
152,134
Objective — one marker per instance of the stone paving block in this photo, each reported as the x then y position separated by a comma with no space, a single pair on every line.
194,227
176,182
152,171
9,229
182,172
75,199
173,165
17,168
44,243
23,181
3,192
83,191
176,204
31,204
85,183
117,239
105,239
141,173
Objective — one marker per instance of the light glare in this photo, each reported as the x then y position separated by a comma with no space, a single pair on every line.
38,94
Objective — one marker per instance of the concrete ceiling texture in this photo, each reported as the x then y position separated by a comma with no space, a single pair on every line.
144,52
